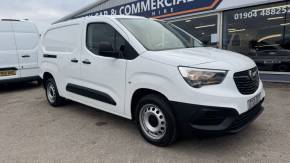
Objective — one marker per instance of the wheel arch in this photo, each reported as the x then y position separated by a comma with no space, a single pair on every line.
138,94
46,75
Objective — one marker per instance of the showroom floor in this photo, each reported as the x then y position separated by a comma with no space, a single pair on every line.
33,131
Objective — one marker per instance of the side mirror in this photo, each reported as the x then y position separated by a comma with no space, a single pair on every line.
106,49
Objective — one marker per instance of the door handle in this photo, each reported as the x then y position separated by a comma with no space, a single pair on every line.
87,62
74,60
26,56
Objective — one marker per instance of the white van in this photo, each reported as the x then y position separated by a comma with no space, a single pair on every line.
151,72
19,50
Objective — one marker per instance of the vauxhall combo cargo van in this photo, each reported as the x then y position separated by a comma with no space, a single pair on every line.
152,72
19,50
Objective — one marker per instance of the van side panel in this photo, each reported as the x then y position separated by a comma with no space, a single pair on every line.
27,44
64,44
8,56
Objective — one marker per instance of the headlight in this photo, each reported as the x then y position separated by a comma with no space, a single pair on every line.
201,77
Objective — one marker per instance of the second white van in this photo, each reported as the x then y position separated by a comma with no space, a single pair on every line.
152,72
19,51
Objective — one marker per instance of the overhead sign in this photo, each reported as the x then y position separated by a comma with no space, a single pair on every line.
159,8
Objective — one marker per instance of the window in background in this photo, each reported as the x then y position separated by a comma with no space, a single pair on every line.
203,28
262,33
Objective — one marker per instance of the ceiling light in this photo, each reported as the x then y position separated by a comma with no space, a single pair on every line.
237,30
205,26
269,37
275,18
285,24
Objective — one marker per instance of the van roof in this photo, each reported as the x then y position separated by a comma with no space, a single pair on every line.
116,16
113,17
88,18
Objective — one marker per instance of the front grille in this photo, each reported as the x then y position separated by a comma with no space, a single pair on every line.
247,81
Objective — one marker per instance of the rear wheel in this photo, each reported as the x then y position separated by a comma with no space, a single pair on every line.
52,94
155,120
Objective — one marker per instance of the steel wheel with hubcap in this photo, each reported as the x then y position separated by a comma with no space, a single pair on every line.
52,94
152,121
156,121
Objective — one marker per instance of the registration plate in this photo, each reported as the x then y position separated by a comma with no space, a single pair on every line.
7,73
254,101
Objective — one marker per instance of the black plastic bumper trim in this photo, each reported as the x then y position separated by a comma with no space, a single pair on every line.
19,80
8,68
90,93
207,119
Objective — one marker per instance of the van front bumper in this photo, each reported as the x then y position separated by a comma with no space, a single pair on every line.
207,119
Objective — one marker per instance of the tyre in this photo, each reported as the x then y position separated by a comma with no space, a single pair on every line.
156,121
52,94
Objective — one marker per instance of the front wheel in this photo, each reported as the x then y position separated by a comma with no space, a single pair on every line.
155,121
